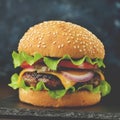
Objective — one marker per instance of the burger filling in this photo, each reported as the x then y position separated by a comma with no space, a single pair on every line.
53,82
59,76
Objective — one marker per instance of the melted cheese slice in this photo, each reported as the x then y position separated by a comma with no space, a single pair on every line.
66,82
102,77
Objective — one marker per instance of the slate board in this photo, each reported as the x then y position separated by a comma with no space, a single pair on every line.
11,107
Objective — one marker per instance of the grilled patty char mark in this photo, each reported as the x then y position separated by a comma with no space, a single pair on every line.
51,81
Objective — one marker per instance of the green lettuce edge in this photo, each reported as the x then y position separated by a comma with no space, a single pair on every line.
19,58
104,88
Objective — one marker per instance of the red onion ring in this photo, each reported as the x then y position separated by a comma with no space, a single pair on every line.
79,78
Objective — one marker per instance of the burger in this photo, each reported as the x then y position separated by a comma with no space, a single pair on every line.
60,65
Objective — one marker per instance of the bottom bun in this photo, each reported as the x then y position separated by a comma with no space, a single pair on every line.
42,98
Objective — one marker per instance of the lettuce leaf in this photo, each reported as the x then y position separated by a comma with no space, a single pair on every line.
60,93
104,88
19,58
52,63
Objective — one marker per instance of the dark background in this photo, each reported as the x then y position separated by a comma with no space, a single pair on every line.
102,17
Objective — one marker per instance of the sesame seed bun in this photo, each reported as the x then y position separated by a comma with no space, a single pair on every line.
42,98
57,38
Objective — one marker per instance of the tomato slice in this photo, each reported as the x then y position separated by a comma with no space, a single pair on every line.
65,64
26,65
69,64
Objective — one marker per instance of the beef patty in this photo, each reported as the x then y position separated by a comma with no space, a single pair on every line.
51,81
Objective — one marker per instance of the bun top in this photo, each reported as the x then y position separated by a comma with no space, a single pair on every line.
57,38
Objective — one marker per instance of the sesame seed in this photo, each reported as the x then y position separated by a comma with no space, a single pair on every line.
90,48
44,46
69,41
80,50
84,49
67,38
76,41
54,42
58,46
38,45
63,34
54,33
83,42
69,31
73,43
83,46
75,47
62,45
43,43
78,46
39,42
41,37
97,49
30,45
96,45
72,37
93,52
73,32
